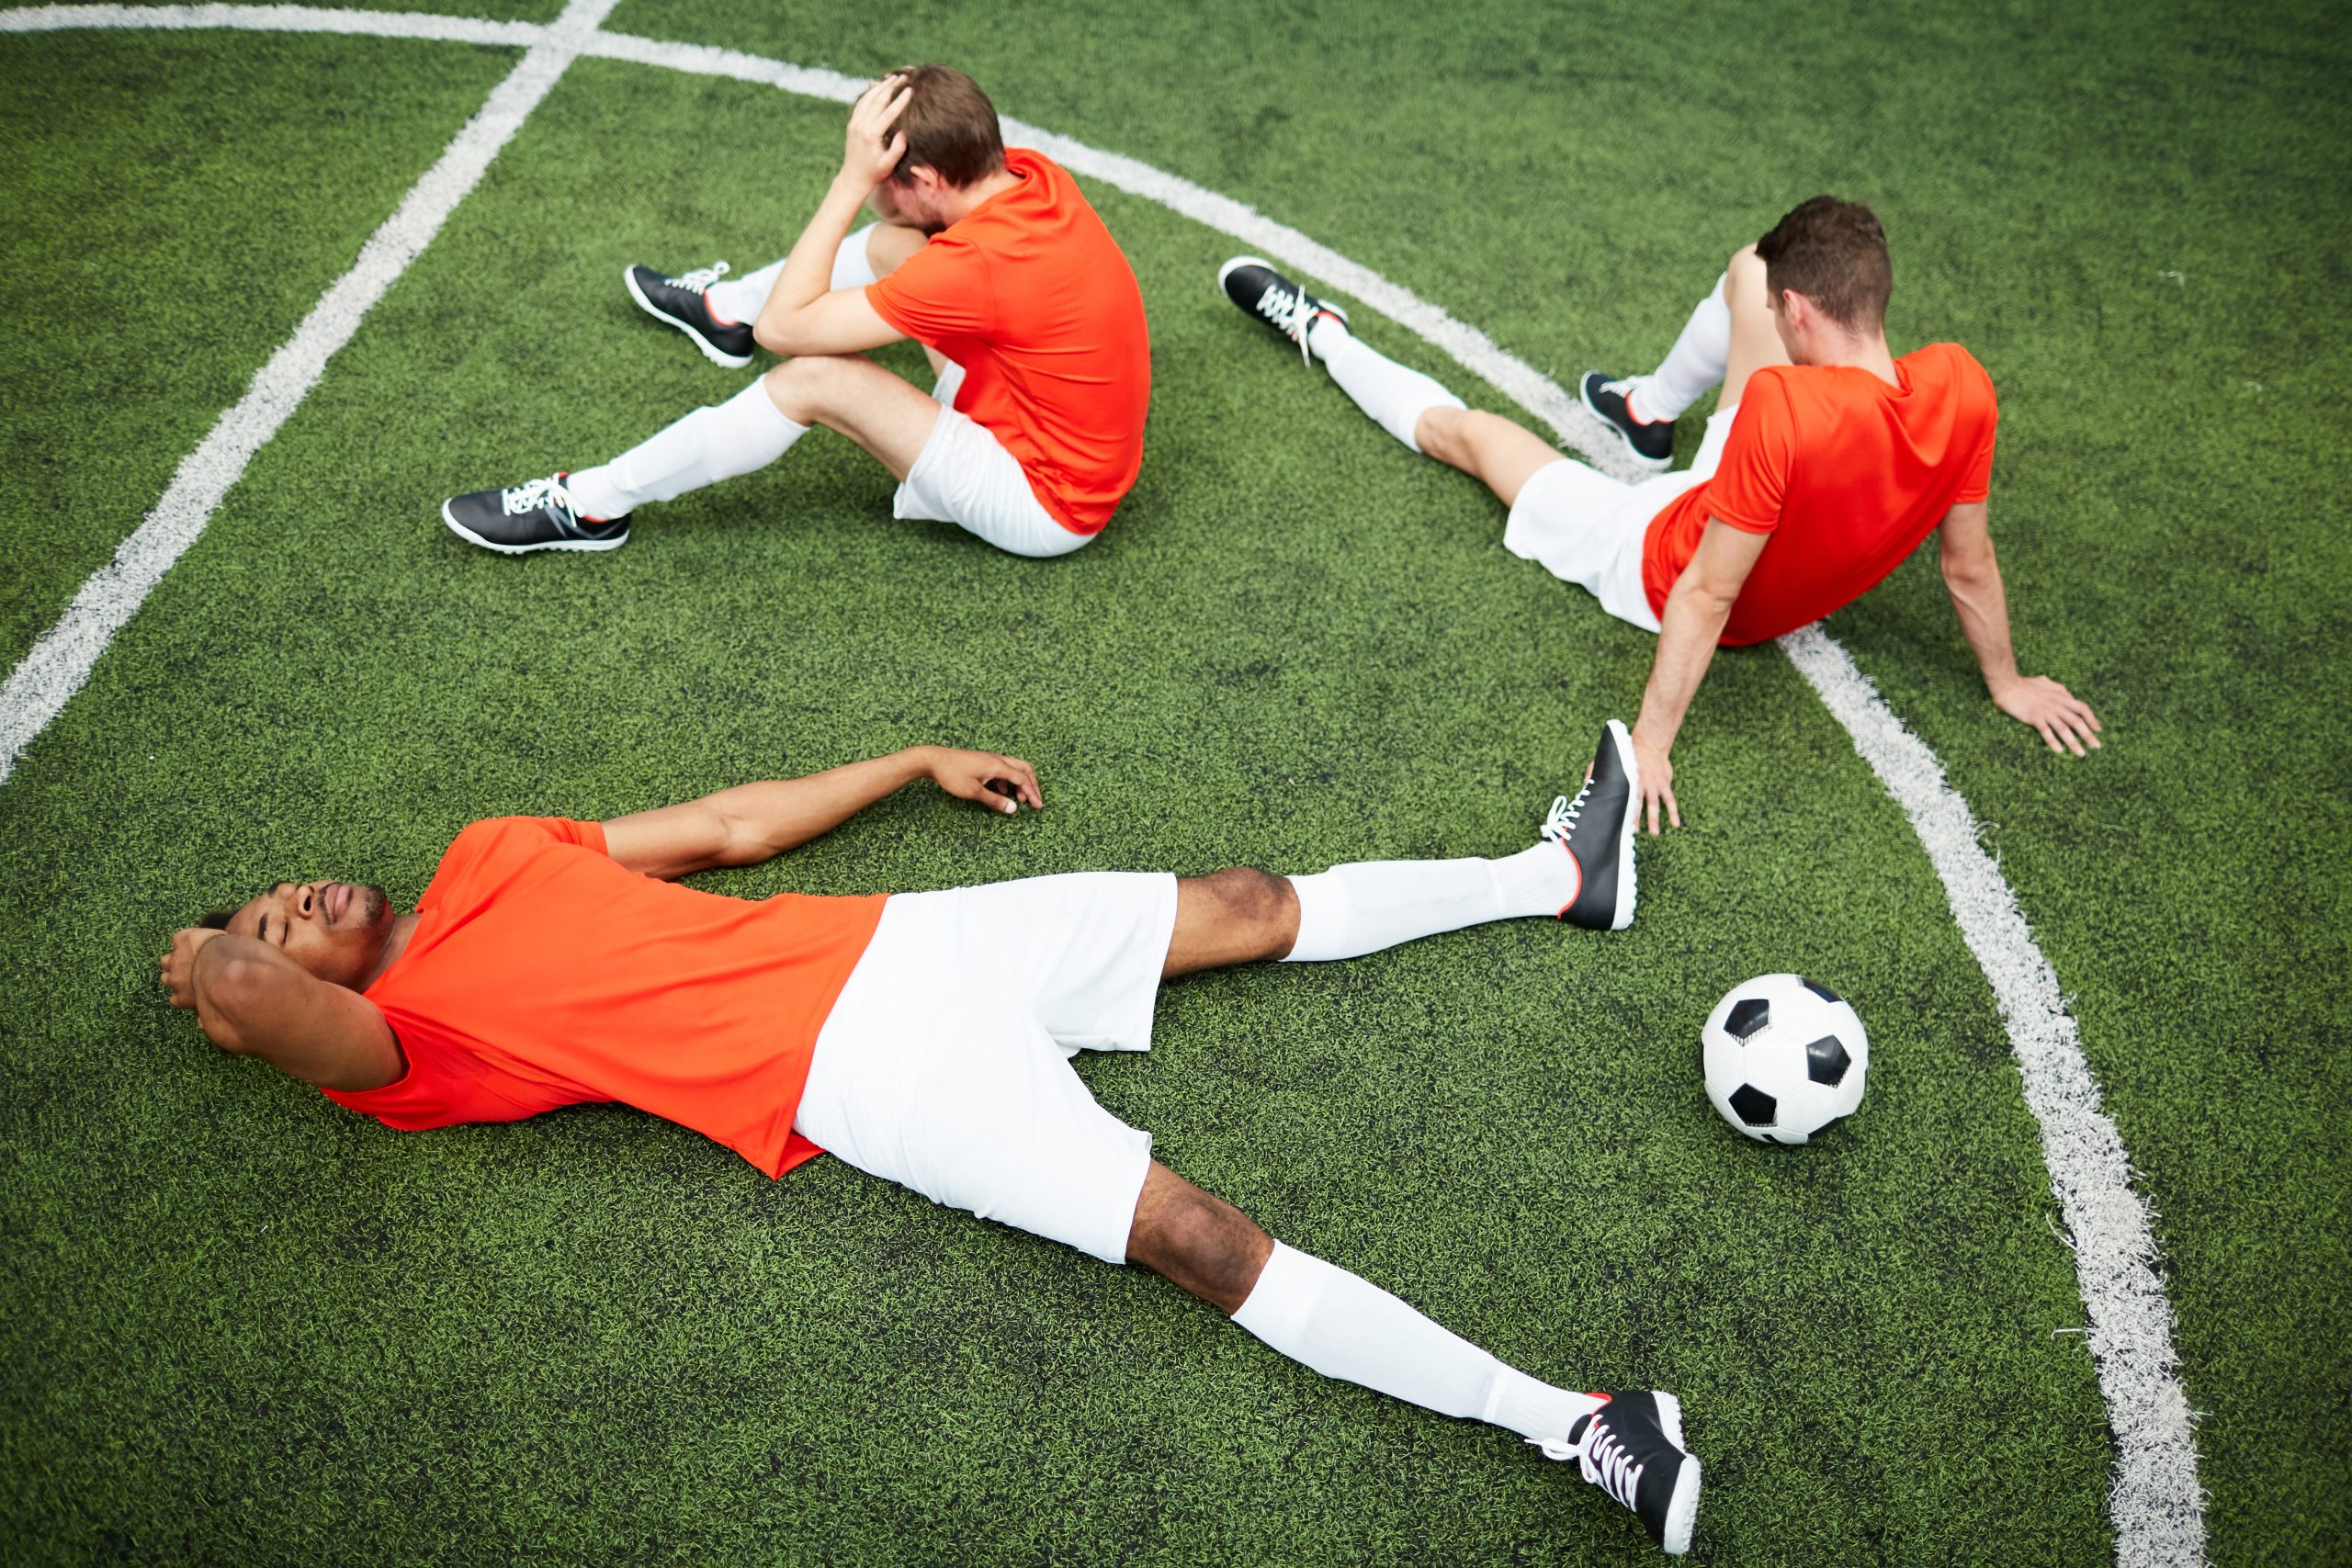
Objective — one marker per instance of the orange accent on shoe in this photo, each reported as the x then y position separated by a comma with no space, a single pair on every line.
1564,915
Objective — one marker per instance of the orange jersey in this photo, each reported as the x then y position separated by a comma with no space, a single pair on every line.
543,974
1035,299
1848,475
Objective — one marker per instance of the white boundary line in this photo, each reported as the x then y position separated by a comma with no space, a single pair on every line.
2155,1499
56,666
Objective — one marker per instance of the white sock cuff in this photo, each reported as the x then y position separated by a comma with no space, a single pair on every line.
758,412
852,269
1288,1290
1326,915
1394,395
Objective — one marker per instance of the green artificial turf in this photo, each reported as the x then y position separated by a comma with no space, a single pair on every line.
244,1326
175,206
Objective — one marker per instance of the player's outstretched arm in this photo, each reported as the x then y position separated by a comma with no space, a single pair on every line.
754,822
1972,574
252,1001
1693,623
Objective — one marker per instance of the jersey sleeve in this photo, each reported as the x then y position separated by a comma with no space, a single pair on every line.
939,293
552,829
445,1086
1979,482
1751,483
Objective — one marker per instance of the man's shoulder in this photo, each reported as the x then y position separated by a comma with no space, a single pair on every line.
1949,362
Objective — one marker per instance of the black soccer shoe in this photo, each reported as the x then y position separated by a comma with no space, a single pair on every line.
1652,444
1632,1448
535,516
1266,294
1597,829
681,303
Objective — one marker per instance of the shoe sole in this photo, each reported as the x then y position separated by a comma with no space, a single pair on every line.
473,539
1628,889
1682,1508
1654,465
710,351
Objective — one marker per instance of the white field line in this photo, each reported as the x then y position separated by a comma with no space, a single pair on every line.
2155,1499
2157,1504
274,19
62,661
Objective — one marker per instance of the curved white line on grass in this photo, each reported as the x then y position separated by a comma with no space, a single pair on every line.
2156,1502
2157,1505
276,19
49,675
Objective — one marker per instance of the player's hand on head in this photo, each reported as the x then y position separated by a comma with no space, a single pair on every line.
875,146
997,782
2064,720
178,965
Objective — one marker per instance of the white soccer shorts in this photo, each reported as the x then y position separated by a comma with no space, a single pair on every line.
1586,528
944,1066
964,475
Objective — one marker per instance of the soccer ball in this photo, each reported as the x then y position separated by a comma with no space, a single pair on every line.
1785,1058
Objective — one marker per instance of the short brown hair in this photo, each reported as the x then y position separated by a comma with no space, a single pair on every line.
1833,253
950,125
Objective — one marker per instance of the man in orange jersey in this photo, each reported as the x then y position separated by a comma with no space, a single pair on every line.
990,258
1825,463
923,1037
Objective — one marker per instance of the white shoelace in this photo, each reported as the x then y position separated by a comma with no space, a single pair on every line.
1293,313
1561,820
1601,1456
549,492
700,278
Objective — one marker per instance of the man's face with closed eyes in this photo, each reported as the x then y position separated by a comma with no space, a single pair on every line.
335,930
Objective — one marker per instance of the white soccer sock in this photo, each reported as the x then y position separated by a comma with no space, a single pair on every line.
1394,395
1351,910
1347,1327
744,432
742,299
1695,363
735,299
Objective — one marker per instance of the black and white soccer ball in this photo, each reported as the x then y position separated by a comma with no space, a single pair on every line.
1786,1056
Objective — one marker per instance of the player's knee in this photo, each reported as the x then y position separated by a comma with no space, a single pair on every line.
1745,270
1449,434
1260,902
1206,1246
801,389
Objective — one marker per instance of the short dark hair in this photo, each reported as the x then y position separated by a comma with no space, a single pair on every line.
1833,253
218,920
950,125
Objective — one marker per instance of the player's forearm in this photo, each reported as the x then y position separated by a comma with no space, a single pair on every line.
808,271
1690,629
1983,606
766,819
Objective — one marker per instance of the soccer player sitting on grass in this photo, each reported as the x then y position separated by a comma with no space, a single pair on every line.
923,1037
991,259
1827,461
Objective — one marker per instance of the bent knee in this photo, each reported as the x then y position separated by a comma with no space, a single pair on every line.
804,387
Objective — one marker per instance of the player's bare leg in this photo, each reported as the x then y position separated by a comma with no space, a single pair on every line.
1490,448
852,395
1629,1443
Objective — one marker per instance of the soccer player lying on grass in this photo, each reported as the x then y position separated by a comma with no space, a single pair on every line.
923,1037
1825,463
991,259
